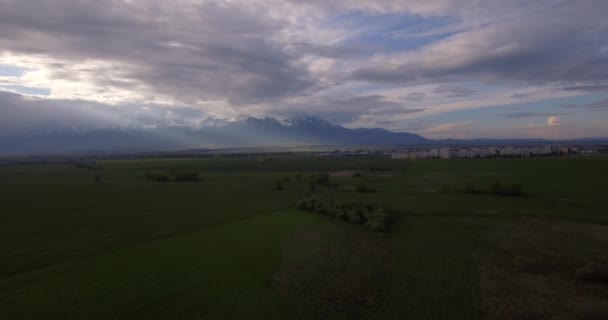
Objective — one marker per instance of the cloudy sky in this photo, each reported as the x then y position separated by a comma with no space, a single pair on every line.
439,68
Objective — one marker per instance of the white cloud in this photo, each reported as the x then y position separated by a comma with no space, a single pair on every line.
553,121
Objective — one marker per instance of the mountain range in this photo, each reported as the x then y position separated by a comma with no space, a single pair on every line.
245,131
213,133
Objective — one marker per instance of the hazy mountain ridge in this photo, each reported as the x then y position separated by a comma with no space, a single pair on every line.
214,133
245,131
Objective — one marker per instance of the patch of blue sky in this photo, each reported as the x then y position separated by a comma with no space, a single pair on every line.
27,90
394,32
517,114
11,71
526,112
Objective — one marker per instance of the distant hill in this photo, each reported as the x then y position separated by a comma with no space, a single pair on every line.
212,133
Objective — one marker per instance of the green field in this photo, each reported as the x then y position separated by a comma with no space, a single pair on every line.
230,246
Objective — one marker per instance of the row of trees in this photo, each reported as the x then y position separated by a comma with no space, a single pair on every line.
356,212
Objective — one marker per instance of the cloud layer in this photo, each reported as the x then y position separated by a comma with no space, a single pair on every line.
357,63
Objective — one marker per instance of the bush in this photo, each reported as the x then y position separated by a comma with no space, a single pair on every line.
357,175
354,212
298,177
593,272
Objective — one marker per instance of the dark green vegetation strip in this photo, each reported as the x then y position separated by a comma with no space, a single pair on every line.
110,244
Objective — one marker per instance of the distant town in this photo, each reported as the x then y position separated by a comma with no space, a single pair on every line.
494,152
405,153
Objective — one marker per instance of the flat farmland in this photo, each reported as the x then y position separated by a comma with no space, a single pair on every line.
110,242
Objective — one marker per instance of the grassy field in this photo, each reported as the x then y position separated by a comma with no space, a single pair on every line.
230,246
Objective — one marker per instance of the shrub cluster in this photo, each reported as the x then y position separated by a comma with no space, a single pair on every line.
357,212
173,176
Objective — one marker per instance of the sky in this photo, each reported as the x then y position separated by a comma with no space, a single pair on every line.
439,68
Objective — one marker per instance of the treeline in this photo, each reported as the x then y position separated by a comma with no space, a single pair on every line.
356,212
173,176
